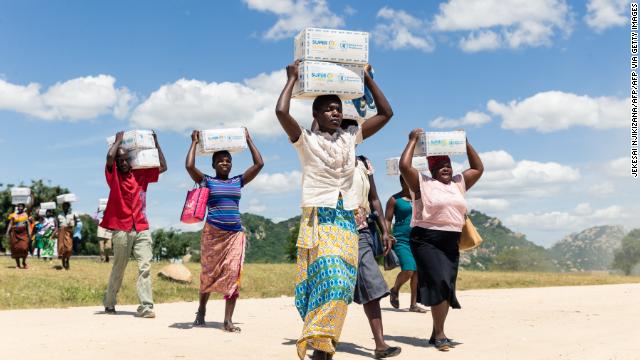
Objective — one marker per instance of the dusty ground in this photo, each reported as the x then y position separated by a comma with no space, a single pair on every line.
586,322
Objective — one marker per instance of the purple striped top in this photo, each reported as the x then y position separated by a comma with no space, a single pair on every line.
223,202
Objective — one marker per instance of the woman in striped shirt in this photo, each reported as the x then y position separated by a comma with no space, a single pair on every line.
222,244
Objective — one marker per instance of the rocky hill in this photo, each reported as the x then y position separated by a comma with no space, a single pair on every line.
590,249
504,249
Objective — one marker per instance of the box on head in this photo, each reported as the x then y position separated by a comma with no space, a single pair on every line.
21,195
102,204
230,139
66,198
50,205
144,159
442,143
317,78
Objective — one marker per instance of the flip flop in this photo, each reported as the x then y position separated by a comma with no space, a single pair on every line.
393,299
232,328
417,309
391,351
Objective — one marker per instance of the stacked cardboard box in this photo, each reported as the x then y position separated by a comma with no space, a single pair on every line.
66,198
442,143
418,162
141,148
20,195
50,205
332,63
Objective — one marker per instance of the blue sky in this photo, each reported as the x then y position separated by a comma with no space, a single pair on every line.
540,86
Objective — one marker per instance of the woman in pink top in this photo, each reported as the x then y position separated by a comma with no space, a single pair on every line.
438,217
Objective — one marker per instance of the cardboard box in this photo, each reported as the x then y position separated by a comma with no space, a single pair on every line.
20,191
61,199
418,162
341,46
50,205
359,114
442,143
21,199
135,139
323,78
42,212
212,140
144,159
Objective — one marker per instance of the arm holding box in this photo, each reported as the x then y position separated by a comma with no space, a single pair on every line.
472,175
378,121
288,123
258,163
113,150
409,173
190,162
163,162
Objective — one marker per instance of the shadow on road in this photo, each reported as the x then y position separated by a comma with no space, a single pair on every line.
345,347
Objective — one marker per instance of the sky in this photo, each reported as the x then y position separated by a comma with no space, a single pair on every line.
541,88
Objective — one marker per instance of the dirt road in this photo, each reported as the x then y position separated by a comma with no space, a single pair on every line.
588,322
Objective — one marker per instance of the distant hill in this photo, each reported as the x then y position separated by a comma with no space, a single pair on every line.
267,241
504,249
590,249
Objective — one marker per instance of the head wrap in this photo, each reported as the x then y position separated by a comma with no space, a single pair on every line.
434,160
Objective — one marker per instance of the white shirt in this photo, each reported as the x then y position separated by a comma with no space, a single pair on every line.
328,162
67,220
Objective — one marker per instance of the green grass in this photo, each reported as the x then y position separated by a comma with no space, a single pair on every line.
43,286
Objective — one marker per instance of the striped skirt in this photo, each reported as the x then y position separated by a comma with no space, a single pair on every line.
326,275
221,259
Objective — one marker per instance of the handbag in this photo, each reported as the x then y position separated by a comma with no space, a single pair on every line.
391,260
195,205
470,238
378,248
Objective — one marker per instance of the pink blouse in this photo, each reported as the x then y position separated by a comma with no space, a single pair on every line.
441,206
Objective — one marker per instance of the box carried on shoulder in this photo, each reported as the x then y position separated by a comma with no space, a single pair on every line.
340,46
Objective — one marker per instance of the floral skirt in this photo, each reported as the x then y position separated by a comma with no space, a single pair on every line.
326,275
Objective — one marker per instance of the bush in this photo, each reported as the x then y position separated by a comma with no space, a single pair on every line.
628,255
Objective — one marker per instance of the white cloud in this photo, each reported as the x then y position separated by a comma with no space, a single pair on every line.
472,118
295,15
581,217
506,178
601,189
504,23
76,99
401,31
487,205
276,183
556,110
621,166
603,14
255,206
478,41
194,104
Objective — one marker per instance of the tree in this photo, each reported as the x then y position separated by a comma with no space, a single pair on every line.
169,244
292,249
628,255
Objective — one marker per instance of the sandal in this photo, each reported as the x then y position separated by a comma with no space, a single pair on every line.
432,341
442,344
199,321
393,299
417,309
229,327
391,351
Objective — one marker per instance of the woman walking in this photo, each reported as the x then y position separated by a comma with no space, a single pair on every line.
370,284
222,244
438,217
46,233
66,223
328,239
19,234
399,207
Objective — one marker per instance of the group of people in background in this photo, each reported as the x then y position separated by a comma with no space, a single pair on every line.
43,235
342,220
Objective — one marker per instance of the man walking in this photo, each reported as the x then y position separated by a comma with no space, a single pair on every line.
125,217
